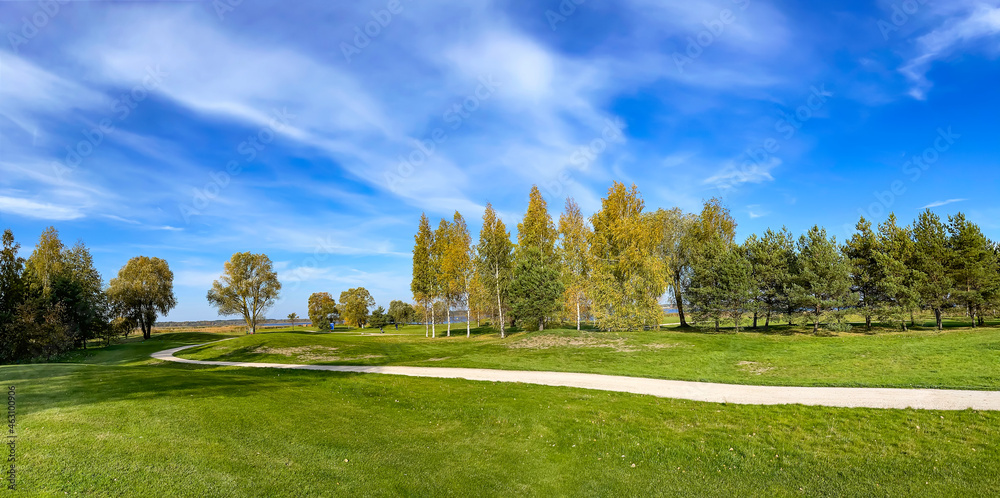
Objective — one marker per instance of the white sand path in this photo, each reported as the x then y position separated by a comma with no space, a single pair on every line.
844,397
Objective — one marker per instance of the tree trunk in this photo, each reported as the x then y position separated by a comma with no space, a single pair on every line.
679,301
754,322
716,324
816,322
972,314
767,321
427,326
449,319
937,319
541,324
868,323
433,322
468,321
913,319
578,314
499,304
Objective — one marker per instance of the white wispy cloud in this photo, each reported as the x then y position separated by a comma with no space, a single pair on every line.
943,203
735,175
38,210
978,22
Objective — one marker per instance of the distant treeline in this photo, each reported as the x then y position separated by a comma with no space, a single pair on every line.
221,323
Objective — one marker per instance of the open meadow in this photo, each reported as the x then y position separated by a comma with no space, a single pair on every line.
113,421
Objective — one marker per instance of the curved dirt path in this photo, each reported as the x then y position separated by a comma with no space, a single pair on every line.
843,397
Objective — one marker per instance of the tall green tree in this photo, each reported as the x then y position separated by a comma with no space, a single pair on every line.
379,318
494,264
972,265
293,317
932,256
714,225
80,288
322,310
248,286
573,251
721,285
672,226
537,230
424,275
535,288
867,272
823,283
535,258
440,288
46,261
12,294
401,312
457,268
627,278
770,257
355,305
897,286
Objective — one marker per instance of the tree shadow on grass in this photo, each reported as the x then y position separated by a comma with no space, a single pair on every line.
135,376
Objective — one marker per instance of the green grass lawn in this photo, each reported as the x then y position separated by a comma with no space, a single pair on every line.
956,358
113,422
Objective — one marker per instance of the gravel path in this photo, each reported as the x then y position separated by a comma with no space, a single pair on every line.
845,397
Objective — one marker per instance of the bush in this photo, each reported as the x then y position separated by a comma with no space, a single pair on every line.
839,327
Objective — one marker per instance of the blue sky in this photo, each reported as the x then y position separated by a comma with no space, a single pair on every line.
317,132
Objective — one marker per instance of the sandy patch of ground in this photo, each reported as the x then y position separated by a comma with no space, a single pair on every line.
548,341
619,344
663,346
439,359
307,353
313,353
754,367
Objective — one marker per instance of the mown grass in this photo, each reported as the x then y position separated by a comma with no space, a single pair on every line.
956,358
117,423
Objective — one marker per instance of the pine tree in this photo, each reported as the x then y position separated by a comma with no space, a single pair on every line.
495,261
897,284
714,223
770,257
535,256
972,264
535,287
721,285
823,282
867,274
932,256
